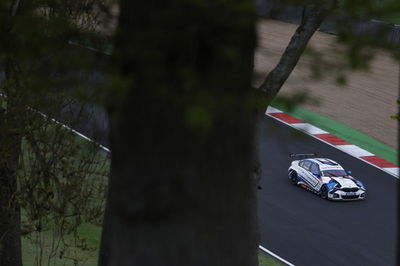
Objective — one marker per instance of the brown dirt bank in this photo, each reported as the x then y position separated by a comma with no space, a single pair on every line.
365,103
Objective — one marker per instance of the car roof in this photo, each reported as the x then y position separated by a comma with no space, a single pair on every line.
325,163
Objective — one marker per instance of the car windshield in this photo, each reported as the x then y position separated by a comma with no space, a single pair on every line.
334,172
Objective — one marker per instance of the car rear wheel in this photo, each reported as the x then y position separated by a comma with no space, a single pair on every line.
293,178
324,192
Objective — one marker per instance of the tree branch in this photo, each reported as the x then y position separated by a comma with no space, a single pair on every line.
309,25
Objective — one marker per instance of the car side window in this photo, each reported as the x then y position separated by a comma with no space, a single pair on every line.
307,165
314,169
301,163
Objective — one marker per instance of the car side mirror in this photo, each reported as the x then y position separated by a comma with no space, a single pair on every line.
348,172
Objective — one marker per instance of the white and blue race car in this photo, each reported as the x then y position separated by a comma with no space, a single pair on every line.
325,177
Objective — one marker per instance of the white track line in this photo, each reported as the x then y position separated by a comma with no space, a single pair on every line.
275,256
72,130
65,126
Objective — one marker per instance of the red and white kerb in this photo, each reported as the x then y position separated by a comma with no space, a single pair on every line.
334,141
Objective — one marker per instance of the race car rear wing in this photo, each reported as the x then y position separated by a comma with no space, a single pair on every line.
302,155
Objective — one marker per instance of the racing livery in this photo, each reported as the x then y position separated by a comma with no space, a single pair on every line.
326,178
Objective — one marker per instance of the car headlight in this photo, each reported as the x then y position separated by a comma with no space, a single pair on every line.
332,185
360,185
335,187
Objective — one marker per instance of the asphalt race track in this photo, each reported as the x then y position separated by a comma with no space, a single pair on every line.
307,230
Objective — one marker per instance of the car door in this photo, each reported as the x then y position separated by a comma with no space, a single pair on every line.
311,178
305,173
315,174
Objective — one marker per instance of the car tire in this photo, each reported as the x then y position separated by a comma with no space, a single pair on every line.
293,178
324,192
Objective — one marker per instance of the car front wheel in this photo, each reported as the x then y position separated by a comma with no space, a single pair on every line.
324,192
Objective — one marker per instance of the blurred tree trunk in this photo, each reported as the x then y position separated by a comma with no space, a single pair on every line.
182,133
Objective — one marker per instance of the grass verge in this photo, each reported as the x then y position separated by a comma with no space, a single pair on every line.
62,186
73,256
92,235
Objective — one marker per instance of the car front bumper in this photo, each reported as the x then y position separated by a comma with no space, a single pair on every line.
342,195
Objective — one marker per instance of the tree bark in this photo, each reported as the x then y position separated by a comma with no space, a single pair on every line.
182,135
311,22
